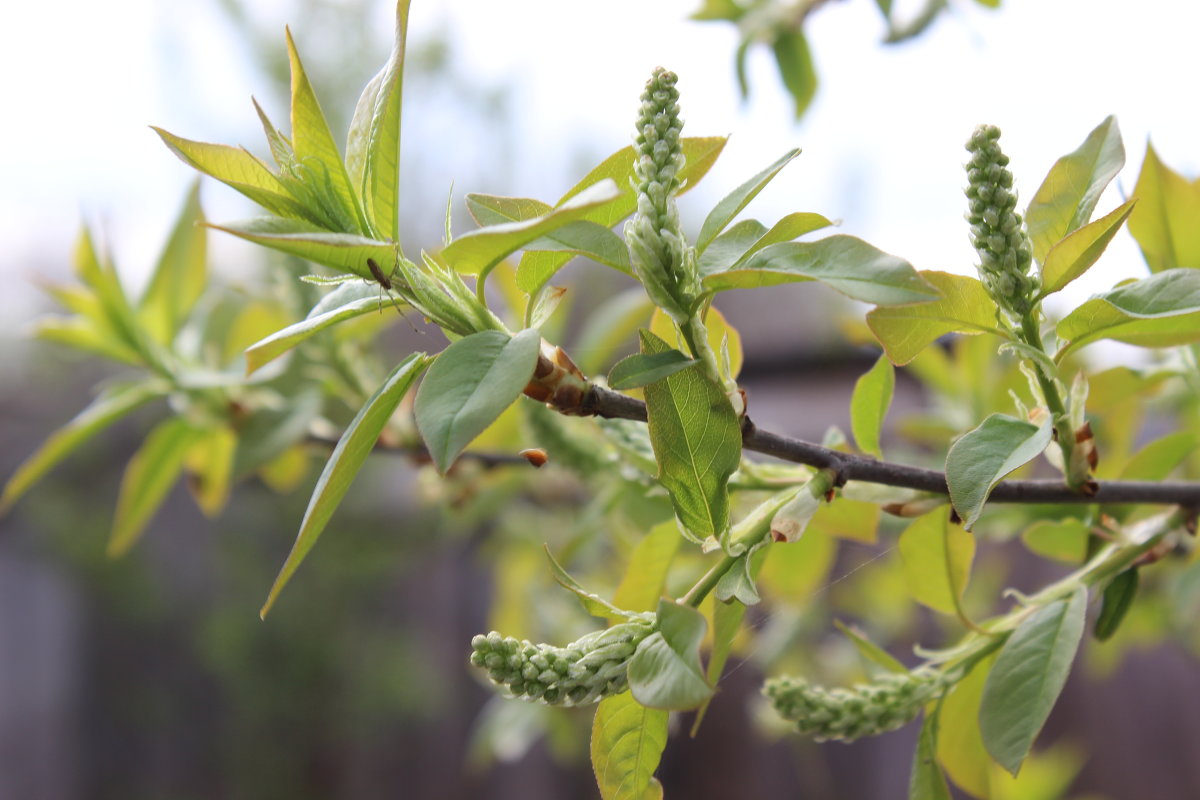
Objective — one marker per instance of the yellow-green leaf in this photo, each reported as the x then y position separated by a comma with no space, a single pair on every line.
344,252
209,465
627,742
1074,255
642,585
964,307
963,755
180,275
869,405
1164,223
937,561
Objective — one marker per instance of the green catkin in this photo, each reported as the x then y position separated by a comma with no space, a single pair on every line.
583,672
890,702
661,256
997,230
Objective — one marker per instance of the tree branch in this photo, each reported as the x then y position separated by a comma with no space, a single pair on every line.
603,402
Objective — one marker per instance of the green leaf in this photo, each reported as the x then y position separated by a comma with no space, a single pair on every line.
151,473
470,384
105,410
849,265
699,153
870,651
869,405
113,314
627,743
270,433
278,343
639,369
592,603
1159,458
1115,603
315,150
963,755
209,468
737,584
479,250
1062,540
665,670
1028,676
646,574
488,209
697,442
1065,200
937,561
983,456
733,247
1162,310
179,278
795,67
344,252
1164,222
373,142
925,781
347,459
1075,254
964,307
733,203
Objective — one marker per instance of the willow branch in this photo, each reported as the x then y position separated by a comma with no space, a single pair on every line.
603,402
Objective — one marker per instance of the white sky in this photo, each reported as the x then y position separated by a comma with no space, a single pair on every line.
882,144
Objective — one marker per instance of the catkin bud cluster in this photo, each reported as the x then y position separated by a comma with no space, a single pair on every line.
661,256
581,673
891,701
997,232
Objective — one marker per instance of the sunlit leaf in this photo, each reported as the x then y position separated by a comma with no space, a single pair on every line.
640,368
1075,254
733,203
982,457
209,464
1062,540
869,405
937,559
180,275
345,252
963,755
1163,223
278,343
870,651
1159,311
665,670
964,307
649,563
581,237
627,743
795,63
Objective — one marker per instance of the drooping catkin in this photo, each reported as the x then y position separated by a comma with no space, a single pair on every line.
846,714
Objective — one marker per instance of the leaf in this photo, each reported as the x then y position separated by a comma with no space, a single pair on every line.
697,442
609,326
1027,678
737,584
373,142
665,670
722,336
646,574
470,384
798,571
487,209
870,651
1115,603
114,315
1063,540
926,781
348,457
179,278
849,265
699,154
209,465
869,405
270,434
105,410
733,203
150,474
983,456
1075,254
937,561
592,603
477,251
964,307
963,755
266,350
795,67
344,252
1065,200
1159,311
639,369
627,743
1164,222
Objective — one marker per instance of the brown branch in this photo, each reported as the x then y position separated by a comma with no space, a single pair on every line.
603,402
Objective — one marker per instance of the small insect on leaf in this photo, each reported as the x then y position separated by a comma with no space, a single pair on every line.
383,280
535,456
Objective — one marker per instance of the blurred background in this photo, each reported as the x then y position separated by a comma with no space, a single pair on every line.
152,677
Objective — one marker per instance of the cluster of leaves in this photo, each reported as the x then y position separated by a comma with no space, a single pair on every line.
677,508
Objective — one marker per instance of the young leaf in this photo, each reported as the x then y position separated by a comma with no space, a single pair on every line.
150,475
1062,540
278,343
937,561
209,465
347,459
926,781
470,384
665,670
105,410
697,442
722,336
963,755
1028,676
646,574
964,307
737,584
592,603
373,142
849,265
1065,200
1159,311
795,67
581,237
1164,222
869,405
732,204
983,456
627,742
1075,254
180,275
639,369
1115,603
869,650
344,252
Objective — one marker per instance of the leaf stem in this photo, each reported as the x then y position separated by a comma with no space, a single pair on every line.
1058,410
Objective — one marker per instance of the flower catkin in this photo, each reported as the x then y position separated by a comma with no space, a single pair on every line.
890,702
661,256
997,231
583,672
